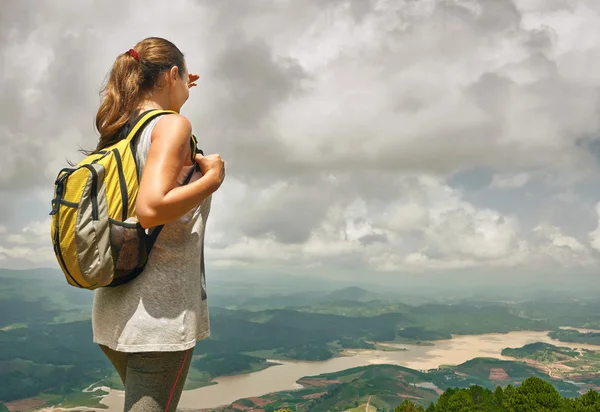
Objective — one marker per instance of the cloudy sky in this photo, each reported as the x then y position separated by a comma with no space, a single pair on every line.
386,136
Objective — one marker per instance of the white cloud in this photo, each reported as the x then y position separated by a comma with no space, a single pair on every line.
28,246
562,249
340,123
428,226
39,229
41,256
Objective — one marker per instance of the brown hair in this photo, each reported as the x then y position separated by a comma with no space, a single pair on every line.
133,75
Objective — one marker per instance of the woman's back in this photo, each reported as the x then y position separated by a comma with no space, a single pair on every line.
164,308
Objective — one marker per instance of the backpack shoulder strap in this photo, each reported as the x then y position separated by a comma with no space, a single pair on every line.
141,120
134,127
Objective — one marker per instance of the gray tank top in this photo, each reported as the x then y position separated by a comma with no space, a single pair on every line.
165,307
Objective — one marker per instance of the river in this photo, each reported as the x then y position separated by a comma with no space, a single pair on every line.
454,351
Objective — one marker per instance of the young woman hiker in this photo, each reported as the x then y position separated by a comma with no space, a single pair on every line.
149,326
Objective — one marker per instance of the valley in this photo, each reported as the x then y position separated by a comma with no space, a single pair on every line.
270,343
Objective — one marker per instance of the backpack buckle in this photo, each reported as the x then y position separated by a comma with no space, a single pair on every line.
59,192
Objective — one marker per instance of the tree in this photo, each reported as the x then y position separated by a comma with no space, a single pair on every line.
461,401
499,397
408,406
442,404
533,395
589,402
479,395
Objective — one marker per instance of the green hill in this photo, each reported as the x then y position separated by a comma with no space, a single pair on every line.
40,296
57,359
385,387
541,352
490,372
464,319
563,311
497,370
570,335
287,328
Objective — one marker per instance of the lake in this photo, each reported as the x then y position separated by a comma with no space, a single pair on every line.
454,351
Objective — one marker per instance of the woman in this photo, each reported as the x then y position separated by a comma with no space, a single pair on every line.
148,327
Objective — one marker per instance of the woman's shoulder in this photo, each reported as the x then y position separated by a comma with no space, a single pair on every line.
174,122
173,127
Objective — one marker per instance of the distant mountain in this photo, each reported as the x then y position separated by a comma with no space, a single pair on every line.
354,293
305,299
355,308
282,301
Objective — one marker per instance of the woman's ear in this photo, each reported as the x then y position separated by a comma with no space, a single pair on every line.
173,74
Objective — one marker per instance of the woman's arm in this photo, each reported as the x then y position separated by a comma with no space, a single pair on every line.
160,199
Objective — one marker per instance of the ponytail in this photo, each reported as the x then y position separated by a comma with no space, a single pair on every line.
121,97
133,74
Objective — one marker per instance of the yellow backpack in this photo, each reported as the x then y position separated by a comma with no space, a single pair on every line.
97,239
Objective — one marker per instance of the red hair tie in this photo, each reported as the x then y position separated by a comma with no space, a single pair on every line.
133,54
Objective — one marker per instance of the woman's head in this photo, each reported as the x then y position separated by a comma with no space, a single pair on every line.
154,70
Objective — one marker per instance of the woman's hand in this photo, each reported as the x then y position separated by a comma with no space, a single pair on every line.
212,166
192,80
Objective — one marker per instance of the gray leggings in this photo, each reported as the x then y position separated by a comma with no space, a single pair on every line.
153,380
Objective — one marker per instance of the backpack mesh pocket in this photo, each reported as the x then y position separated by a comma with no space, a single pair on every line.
128,243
